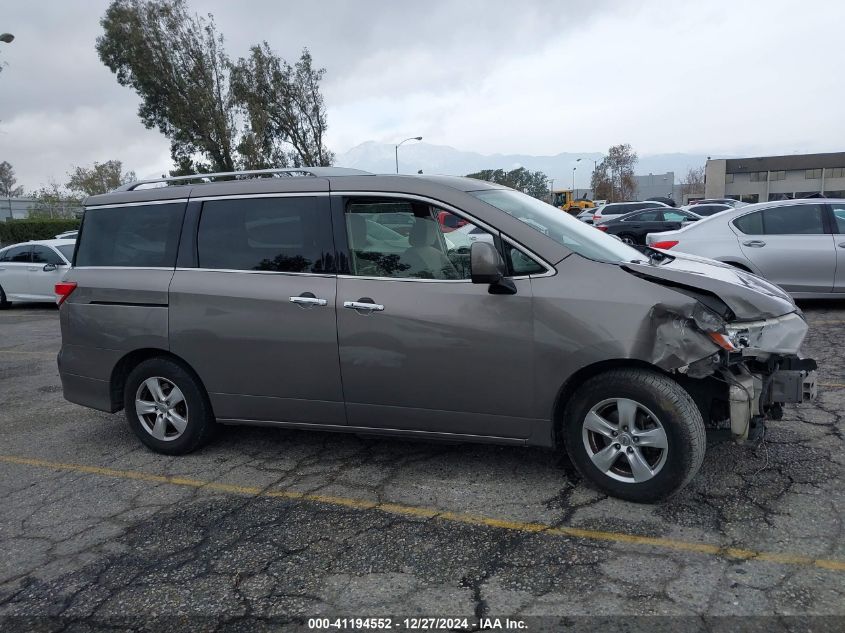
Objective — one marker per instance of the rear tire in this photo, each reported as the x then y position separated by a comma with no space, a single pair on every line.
634,433
4,303
629,239
167,407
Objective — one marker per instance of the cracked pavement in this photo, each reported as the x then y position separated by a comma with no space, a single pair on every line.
81,548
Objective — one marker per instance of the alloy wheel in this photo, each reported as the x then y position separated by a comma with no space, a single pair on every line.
161,408
625,440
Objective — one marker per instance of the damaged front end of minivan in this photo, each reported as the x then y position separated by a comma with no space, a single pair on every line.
735,348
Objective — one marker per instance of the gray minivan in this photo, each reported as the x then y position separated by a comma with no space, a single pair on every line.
332,299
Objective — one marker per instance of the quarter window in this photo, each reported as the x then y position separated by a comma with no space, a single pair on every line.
409,239
284,235
144,236
751,224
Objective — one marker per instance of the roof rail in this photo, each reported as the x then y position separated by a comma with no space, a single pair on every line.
319,172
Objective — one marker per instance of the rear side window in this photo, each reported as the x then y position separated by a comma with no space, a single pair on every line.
793,219
19,254
799,219
287,235
645,216
144,236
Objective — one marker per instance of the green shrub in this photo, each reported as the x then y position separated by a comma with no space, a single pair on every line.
14,231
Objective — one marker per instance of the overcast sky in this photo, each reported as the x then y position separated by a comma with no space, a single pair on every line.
531,77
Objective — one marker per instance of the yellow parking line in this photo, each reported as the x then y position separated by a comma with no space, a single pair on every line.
430,513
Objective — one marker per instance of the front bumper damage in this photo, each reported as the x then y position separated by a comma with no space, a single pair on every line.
756,372
756,396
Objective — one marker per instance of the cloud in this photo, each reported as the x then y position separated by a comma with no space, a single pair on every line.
492,76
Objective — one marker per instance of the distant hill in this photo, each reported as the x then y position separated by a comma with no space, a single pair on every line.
442,159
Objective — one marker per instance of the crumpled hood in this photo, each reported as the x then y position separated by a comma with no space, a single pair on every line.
749,297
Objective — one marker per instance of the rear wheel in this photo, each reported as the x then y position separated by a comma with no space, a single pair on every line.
4,303
635,433
628,239
167,408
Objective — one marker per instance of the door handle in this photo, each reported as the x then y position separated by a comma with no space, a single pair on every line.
308,301
366,306
754,243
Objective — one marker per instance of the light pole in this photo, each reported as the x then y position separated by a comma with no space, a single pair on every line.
573,181
396,148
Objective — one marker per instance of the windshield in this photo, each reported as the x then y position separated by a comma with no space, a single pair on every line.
577,236
67,251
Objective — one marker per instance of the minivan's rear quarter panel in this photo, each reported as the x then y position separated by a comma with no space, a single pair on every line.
111,313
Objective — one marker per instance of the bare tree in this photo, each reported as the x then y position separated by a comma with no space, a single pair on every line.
613,177
693,182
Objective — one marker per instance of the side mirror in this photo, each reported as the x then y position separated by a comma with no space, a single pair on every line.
48,268
487,267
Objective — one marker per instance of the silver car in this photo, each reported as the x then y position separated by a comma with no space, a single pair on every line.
797,244
613,210
336,300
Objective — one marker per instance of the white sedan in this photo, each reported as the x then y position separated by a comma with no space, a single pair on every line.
30,271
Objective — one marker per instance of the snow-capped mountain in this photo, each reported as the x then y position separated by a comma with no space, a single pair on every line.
442,159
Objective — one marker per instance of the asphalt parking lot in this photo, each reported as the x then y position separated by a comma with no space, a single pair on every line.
289,525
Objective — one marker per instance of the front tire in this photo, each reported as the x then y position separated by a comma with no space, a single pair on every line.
167,407
634,433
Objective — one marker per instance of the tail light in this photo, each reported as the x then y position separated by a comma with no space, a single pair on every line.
63,291
665,245
596,218
600,227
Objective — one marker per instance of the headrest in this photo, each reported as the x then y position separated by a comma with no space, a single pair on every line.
424,232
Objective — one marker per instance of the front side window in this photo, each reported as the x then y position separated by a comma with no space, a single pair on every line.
675,216
564,229
390,237
44,255
284,235
143,236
